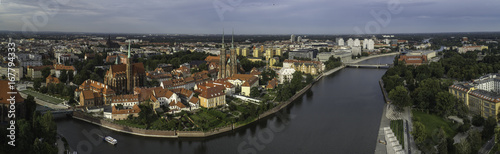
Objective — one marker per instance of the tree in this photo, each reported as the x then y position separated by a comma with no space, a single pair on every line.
203,67
463,147
43,89
254,92
419,132
474,140
296,81
45,72
477,120
445,102
497,135
63,77
30,106
146,115
489,128
399,97
37,84
309,78
49,127
70,75
25,137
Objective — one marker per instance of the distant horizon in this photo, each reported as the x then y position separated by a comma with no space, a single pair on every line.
227,34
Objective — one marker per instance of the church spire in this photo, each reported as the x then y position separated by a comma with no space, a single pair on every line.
116,61
129,49
223,38
232,40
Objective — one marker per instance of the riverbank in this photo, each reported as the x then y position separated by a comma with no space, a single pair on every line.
196,134
201,134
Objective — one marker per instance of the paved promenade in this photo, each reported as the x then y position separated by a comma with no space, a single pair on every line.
384,122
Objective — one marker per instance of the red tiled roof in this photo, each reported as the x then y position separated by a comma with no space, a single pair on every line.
135,109
88,94
194,100
4,88
183,91
212,92
62,67
125,98
52,79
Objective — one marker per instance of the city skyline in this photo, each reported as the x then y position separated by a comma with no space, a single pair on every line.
250,17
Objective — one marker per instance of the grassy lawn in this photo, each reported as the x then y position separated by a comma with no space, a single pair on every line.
43,97
432,122
398,129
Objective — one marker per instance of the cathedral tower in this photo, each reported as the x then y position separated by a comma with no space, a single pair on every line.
222,66
130,85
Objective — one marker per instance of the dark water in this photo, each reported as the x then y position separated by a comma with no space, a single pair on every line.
340,114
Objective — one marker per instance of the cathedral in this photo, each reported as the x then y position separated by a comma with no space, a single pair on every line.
123,78
228,67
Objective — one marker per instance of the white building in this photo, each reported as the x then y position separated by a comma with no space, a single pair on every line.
350,42
292,38
341,42
365,43
299,39
371,44
285,74
357,43
17,72
490,83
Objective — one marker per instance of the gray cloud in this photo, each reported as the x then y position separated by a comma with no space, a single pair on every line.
250,16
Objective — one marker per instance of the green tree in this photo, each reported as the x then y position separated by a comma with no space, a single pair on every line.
445,103
146,115
70,75
399,97
296,81
477,120
25,137
203,67
474,140
497,135
49,127
30,107
309,78
463,147
37,84
45,72
489,128
63,77
419,132
254,92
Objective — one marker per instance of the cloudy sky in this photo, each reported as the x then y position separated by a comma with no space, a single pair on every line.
251,16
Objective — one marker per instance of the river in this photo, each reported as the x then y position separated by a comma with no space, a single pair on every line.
340,114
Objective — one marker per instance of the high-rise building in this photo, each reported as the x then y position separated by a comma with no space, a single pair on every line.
365,43
278,52
299,39
257,53
238,51
350,42
370,45
292,38
357,43
340,42
269,53
244,52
